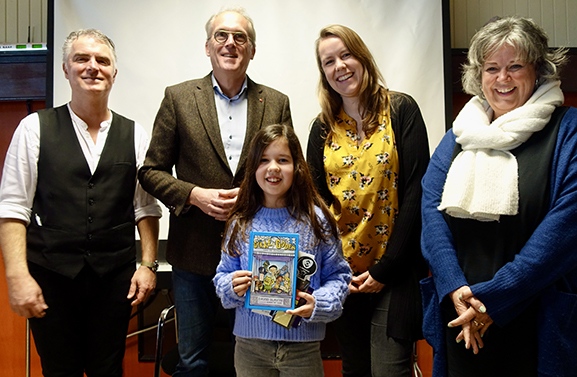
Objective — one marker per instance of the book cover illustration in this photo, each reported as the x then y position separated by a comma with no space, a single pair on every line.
272,259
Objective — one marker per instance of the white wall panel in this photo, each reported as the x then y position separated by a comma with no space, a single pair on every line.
484,12
3,20
11,18
23,20
36,21
548,19
520,7
557,17
572,23
18,16
473,15
509,7
535,11
560,22
459,23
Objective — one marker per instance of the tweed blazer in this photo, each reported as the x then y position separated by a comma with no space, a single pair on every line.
186,136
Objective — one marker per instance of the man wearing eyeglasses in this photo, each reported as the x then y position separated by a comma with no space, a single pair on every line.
203,128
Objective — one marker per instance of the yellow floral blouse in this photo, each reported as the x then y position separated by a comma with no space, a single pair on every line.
363,179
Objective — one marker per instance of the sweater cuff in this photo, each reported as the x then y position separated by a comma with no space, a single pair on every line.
327,308
227,295
377,272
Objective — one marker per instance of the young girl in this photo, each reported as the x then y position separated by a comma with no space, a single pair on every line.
277,195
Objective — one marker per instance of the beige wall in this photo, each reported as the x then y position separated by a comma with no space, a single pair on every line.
17,15
557,17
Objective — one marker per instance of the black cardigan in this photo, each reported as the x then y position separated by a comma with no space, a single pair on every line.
402,265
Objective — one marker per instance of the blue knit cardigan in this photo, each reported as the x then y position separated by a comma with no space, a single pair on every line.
330,282
545,268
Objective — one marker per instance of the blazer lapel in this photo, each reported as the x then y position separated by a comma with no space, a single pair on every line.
207,108
255,114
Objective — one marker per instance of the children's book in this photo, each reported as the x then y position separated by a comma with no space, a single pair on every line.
272,259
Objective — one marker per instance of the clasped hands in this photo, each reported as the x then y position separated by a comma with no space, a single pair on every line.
473,318
364,283
214,202
241,283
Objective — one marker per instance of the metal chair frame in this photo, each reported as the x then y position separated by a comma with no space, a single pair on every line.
160,339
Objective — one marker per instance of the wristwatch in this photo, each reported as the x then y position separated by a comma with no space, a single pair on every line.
152,265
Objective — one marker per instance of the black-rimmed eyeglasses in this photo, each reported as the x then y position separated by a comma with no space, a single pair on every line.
221,36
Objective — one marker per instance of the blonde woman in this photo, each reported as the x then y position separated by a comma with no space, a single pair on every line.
368,151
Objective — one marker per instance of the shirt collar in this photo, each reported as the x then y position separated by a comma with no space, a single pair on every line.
82,124
218,91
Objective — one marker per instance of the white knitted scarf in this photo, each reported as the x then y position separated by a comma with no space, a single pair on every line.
482,182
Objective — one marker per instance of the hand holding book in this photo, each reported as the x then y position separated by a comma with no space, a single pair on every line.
306,310
241,282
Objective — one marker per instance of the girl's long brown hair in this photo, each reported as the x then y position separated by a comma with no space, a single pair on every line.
300,199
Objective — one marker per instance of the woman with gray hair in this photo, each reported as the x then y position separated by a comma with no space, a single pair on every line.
499,204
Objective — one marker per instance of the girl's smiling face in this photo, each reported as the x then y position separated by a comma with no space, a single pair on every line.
506,81
275,172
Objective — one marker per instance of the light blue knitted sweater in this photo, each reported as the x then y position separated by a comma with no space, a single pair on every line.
330,282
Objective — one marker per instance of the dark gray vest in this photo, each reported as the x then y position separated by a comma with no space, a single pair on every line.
79,218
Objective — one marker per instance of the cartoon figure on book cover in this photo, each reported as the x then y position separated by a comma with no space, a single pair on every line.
273,280
267,283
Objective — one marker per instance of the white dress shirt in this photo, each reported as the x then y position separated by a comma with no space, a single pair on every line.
232,113
20,173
